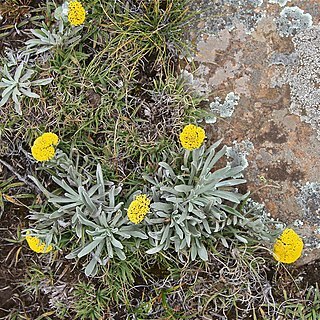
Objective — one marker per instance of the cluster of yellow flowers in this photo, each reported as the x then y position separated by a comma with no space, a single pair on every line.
76,13
37,245
288,247
43,147
138,208
192,137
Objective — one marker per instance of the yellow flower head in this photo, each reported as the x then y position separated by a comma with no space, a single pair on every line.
139,208
192,137
288,247
43,148
37,245
76,13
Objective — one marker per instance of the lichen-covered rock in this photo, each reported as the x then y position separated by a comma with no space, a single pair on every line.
277,78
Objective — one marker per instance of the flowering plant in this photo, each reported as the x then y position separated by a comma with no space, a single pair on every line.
43,148
192,137
138,208
288,247
37,245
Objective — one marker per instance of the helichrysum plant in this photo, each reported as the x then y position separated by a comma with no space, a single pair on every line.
43,148
288,247
18,84
59,36
37,245
191,202
88,210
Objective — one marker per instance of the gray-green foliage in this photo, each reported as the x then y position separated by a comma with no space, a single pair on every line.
18,84
46,39
88,208
191,202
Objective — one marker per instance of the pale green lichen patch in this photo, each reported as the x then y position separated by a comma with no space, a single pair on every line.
238,153
225,14
309,201
281,3
223,109
302,69
293,20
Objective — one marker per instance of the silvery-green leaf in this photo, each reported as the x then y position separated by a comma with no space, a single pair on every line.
116,242
18,72
17,107
230,183
120,254
43,49
9,89
169,190
232,172
155,249
161,206
183,244
242,239
174,199
38,33
168,168
7,73
90,268
5,84
87,201
202,252
109,248
73,40
100,181
178,231
4,99
183,188
65,186
58,13
29,93
216,213
188,237
165,234
86,222
41,82
149,179
56,215
138,234
226,195
194,251
206,226
235,220
217,227
155,221
232,211
196,233
27,75
89,247
199,214
40,186
78,228
156,235
73,254
224,242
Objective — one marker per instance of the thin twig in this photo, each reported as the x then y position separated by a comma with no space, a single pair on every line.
19,176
